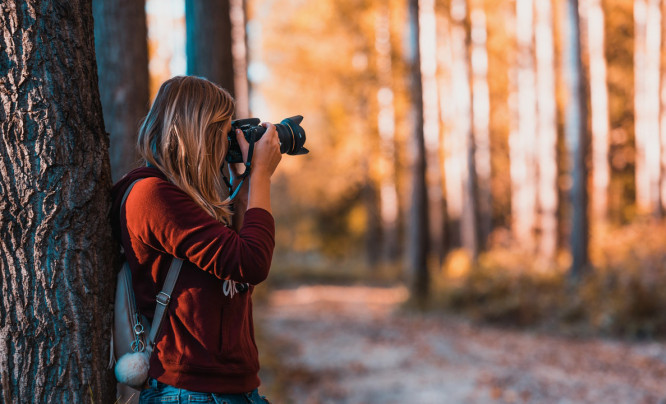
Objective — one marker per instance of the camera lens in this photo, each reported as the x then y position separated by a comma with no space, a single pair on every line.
291,135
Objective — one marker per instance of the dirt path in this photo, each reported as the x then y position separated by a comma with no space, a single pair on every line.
352,345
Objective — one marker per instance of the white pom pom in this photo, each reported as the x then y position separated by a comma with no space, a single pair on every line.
132,369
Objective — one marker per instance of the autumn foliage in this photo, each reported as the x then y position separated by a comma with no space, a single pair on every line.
500,165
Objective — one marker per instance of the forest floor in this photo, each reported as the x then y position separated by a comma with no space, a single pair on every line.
356,344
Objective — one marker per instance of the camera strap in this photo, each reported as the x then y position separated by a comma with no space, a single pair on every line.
248,167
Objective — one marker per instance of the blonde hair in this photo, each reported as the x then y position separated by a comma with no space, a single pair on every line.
182,136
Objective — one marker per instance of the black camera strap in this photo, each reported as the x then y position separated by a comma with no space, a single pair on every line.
248,167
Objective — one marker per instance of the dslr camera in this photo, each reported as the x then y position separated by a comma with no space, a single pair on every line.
290,133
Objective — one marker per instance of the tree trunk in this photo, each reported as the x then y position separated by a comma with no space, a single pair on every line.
647,51
642,178
122,63
481,124
371,171
522,141
594,16
431,129
237,12
576,137
653,144
444,96
55,239
546,130
418,223
460,167
662,114
388,195
373,231
452,155
209,41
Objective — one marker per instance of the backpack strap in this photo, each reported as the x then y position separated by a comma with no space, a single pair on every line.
164,297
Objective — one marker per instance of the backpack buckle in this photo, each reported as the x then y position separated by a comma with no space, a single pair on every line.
163,298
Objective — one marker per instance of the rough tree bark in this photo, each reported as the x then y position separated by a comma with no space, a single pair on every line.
122,63
55,240
418,247
208,46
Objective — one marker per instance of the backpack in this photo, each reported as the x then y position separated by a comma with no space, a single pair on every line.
133,337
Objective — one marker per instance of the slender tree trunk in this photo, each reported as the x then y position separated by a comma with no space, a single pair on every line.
388,195
373,232
431,120
481,123
577,138
594,15
444,97
209,41
460,167
451,76
237,12
546,130
370,168
55,239
523,142
122,61
662,114
642,178
470,219
647,48
652,97
418,220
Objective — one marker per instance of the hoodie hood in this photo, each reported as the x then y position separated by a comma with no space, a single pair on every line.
118,191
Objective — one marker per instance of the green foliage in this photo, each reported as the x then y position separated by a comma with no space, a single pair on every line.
624,295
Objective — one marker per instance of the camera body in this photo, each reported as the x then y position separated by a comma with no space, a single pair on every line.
290,133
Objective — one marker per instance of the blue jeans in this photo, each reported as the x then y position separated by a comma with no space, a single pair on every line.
163,393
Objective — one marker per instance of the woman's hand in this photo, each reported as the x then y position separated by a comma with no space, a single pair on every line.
264,162
266,152
237,169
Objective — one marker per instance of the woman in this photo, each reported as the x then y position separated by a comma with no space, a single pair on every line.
206,349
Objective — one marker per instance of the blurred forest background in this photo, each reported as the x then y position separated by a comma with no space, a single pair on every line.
506,160
480,161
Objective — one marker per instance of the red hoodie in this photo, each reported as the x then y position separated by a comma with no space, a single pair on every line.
206,342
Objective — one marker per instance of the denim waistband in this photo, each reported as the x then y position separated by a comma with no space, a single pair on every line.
158,392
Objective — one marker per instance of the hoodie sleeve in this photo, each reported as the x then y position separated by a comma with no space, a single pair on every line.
165,218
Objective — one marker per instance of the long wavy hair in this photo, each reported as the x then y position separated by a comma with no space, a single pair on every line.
182,136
